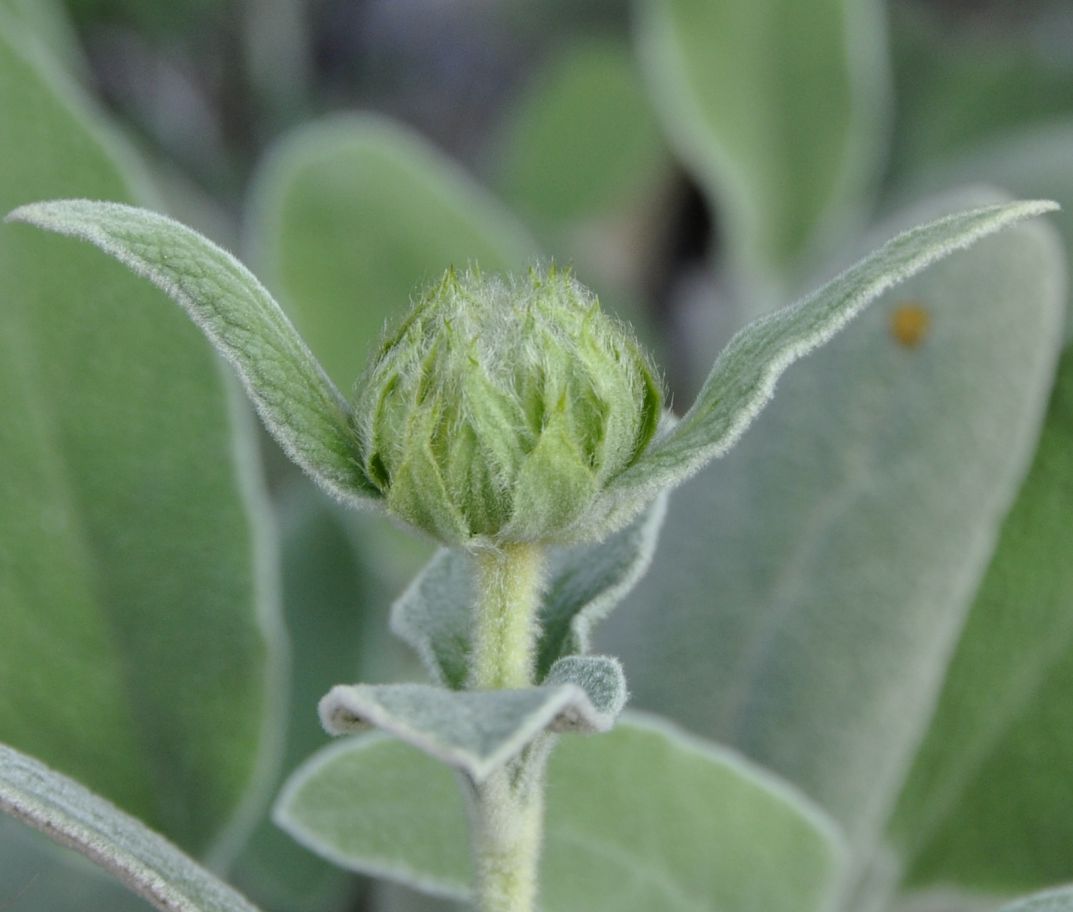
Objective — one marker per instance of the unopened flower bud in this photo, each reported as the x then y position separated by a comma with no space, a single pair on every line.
500,409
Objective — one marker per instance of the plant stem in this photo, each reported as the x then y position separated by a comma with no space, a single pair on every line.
504,636
509,805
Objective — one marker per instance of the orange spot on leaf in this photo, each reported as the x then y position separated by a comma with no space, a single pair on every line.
909,323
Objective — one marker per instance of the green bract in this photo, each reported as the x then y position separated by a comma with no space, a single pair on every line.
499,410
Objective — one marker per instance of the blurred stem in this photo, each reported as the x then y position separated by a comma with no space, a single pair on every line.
508,818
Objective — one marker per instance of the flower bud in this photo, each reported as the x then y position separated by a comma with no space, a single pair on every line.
499,409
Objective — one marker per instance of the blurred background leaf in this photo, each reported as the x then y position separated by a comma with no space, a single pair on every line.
142,650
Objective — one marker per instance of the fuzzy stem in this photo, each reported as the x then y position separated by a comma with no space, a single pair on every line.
504,636
509,805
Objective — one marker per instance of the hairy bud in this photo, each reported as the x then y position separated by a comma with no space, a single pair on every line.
499,409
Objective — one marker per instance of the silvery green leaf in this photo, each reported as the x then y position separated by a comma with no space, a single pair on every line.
477,731
601,679
141,650
776,107
350,215
638,819
36,874
1058,900
815,581
584,583
742,380
298,404
987,803
434,616
142,859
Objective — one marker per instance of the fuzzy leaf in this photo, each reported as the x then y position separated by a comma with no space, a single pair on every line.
352,214
584,583
480,731
140,646
987,804
142,859
816,580
1059,900
601,679
776,106
743,377
638,819
298,404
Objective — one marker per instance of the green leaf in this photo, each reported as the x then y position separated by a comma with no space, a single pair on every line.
958,88
480,731
140,650
776,106
298,404
988,803
584,583
742,380
641,818
816,580
327,596
350,215
142,859
1033,161
582,138
1059,900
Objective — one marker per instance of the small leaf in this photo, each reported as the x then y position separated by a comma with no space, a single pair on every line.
603,682
298,404
638,819
142,859
477,731
584,583
350,215
1059,900
587,582
743,377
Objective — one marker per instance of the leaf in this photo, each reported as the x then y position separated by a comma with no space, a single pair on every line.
327,595
582,137
776,107
641,818
958,89
587,582
140,650
815,581
36,874
601,679
1059,900
584,583
298,404
480,731
379,807
742,380
351,215
1031,161
142,859
987,805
